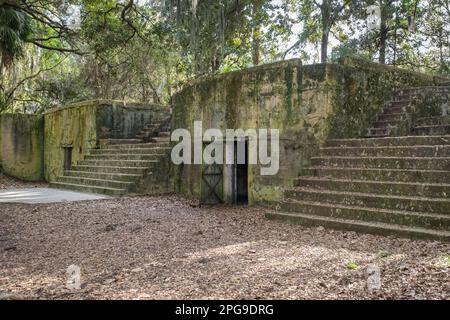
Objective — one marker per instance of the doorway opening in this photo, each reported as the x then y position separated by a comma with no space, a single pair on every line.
212,183
67,158
240,172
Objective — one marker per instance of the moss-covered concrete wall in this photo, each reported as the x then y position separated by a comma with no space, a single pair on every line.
308,104
81,126
124,121
72,126
22,146
361,90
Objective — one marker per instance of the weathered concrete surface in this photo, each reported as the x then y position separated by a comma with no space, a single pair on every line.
308,104
44,195
22,146
81,126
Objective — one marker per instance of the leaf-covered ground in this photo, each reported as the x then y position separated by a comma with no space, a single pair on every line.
163,247
7,182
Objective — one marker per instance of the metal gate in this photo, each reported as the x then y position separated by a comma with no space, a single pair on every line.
212,176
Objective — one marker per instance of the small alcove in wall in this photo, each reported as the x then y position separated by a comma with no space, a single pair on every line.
67,157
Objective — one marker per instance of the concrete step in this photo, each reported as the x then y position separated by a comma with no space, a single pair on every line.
418,90
424,163
104,176
118,163
416,204
127,156
160,140
432,130
400,175
394,188
432,121
121,151
386,124
110,169
111,184
404,95
359,226
104,142
392,117
150,127
88,189
140,145
378,132
397,110
388,151
400,102
145,135
404,218
391,141
164,134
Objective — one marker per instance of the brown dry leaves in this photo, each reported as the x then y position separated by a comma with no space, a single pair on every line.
12,183
163,247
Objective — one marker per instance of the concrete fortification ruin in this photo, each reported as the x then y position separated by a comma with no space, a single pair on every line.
363,146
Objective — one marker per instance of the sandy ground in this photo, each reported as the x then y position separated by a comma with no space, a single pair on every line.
165,248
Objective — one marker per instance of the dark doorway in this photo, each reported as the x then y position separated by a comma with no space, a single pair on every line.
241,172
67,158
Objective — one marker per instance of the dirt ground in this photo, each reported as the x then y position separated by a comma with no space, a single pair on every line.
166,248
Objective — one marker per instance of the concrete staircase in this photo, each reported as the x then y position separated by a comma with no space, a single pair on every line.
383,185
123,166
155,129
432,125
399,111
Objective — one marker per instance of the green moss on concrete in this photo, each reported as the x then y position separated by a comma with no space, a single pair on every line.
361,90
81,125
74,127
308,104
22,146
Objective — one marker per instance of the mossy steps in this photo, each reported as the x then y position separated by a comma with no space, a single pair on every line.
389,185
399,115
118,167
384,229
393,186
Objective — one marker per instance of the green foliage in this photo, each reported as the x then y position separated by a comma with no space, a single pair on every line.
15,28
129,51
348,49
352,265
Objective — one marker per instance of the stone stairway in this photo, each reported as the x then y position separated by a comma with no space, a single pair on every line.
155,129
383,185
401,108
432,125
122,166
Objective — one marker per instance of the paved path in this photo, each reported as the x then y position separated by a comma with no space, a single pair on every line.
44,195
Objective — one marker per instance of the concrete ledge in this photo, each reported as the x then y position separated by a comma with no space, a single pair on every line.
98,102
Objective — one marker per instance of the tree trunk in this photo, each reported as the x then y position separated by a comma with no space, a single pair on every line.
325,9
383,35
324,46
256,39
256,47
